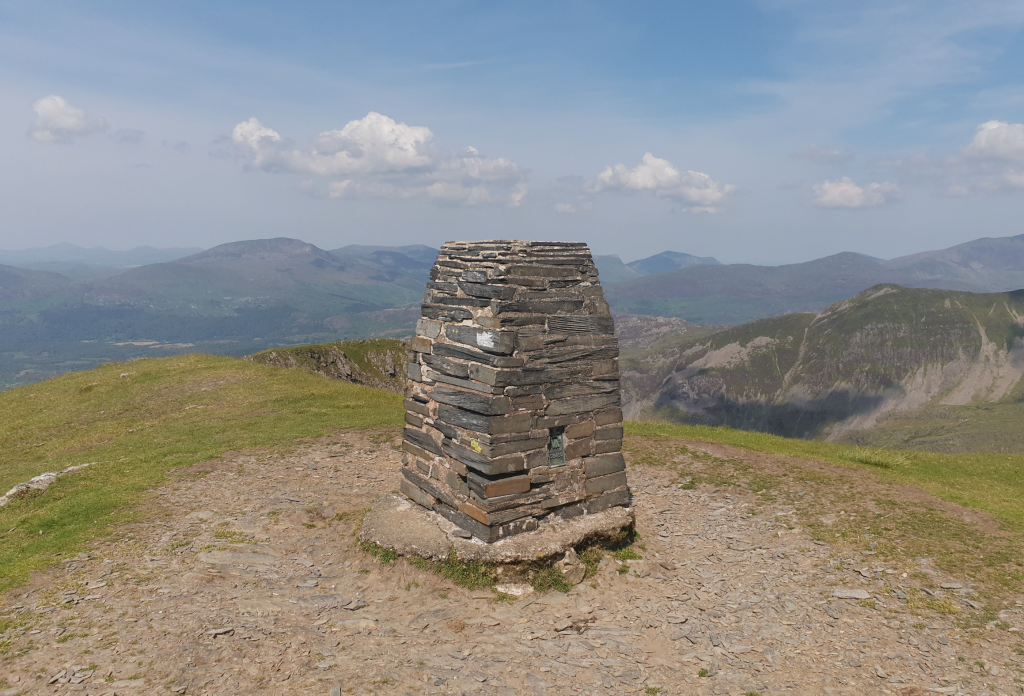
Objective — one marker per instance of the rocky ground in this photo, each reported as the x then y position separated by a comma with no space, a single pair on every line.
247,579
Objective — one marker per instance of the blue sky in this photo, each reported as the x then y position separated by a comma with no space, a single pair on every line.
759,132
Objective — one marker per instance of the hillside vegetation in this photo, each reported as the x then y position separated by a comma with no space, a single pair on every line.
139,420
374,362
932,369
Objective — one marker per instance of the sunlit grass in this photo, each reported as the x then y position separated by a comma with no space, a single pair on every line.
993,483
139,420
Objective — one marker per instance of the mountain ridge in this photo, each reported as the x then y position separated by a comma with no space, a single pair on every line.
888,354
737,293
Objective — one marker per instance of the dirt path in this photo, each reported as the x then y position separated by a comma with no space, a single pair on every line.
247,580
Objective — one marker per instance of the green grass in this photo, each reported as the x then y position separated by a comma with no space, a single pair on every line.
167,413
550,578
627,554
384,555
471,575
993,483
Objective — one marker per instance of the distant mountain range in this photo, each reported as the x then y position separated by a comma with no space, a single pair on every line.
235,298
931,369
242,297
736,293
613,270
81,264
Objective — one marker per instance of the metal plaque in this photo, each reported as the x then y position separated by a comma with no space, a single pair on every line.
556,447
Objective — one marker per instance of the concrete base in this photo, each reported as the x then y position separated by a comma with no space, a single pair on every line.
411,530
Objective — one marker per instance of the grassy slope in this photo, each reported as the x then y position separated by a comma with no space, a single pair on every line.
993,483
169,412
367,355
992,427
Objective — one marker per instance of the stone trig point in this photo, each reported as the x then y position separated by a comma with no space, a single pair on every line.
513,419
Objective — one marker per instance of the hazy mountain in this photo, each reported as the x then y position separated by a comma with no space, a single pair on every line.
669,261
734,293
611,269
418,252
270,272
886,361
986,264
22,283
235,298
87,263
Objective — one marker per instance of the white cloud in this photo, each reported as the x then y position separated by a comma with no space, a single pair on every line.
661,178
567,208
997,146
998,140
844,193
990,163
59,122
377,157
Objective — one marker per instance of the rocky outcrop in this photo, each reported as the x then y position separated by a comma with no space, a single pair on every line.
378,363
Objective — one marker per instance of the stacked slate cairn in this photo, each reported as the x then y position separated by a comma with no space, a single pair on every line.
513,405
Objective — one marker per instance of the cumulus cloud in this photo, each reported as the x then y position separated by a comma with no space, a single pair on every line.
377,157
664,180
994,157
59,122
844,193
567,208
998,140
993,162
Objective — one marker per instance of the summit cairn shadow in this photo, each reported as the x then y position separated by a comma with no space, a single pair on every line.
513,415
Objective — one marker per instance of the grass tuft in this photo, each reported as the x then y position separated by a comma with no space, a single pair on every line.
627,554
591,558
381,553
550,578
471,575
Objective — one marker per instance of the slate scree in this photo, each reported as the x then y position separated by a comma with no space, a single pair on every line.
513,415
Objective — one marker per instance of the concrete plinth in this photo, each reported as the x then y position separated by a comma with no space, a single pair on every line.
411,530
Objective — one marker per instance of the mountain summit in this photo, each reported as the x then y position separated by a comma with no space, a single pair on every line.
276,249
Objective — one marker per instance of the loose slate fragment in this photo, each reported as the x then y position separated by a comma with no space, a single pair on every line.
516,365
851,594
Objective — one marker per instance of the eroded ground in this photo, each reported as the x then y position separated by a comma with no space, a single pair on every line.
248,580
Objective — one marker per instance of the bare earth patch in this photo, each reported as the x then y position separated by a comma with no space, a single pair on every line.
244,576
